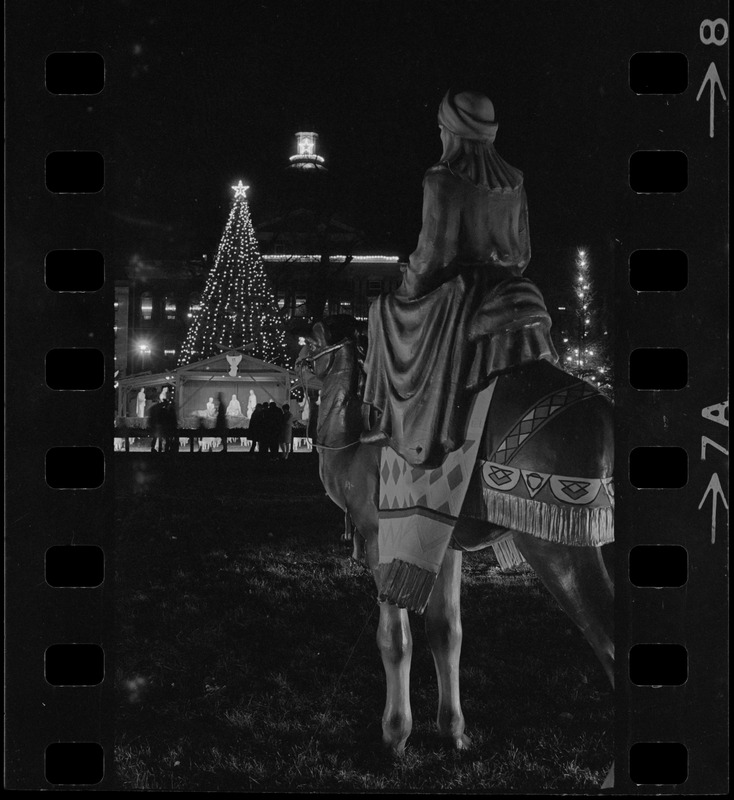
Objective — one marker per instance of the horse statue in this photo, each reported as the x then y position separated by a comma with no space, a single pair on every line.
572,438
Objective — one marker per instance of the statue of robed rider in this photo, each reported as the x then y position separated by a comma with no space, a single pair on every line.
464,311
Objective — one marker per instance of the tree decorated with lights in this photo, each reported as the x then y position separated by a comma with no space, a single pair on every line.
238,307
585,351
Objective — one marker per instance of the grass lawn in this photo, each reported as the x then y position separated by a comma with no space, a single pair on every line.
246,657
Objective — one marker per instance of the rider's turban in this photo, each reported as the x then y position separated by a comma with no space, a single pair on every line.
469,115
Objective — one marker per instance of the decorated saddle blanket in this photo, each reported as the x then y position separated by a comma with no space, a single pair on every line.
418,511
487,479
510,487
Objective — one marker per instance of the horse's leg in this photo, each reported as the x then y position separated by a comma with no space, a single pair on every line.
396,647
578,579
443,628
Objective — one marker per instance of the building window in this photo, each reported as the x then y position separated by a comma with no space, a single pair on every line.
344,307
374,287
194,305
170,308
170,346
281,300
146,306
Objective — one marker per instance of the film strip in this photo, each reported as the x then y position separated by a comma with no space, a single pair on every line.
60,491
667,477
671,398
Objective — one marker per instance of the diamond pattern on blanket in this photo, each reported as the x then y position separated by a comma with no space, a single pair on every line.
576,491
455,477
538,416
445,508
435,475
526,426
499,477
432,488
419,507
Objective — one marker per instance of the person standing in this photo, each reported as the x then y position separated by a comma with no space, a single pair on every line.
221,425
286,432
169,422
255,429
273,423
155,422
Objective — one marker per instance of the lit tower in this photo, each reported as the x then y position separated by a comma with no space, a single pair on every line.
306,156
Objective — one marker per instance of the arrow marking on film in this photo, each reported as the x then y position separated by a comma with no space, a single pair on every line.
712,77
716,491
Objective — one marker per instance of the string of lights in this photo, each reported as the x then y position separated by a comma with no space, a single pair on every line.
334,259
238,306
585,353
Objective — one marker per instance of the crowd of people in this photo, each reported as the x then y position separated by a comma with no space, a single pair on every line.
271,430
163,423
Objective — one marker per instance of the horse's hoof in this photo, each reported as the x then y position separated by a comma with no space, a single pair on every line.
393,750
461,742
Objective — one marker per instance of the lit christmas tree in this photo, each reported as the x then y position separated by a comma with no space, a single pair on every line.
585,343
238,307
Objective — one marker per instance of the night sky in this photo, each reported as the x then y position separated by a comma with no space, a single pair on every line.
201,94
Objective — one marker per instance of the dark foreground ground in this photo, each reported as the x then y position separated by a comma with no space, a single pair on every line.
246,660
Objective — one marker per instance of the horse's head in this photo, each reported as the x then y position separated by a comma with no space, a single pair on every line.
326,338
332,352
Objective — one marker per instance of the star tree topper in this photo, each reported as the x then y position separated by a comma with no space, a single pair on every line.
240,190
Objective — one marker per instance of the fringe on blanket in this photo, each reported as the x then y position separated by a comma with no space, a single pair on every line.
571,525
406,585
507,554
409,586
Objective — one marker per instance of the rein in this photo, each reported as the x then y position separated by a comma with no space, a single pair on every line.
309,359
326,446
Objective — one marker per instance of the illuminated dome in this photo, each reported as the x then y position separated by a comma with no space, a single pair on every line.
306,157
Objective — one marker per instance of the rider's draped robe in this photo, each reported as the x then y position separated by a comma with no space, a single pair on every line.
463,313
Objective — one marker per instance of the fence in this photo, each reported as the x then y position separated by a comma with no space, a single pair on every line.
201,439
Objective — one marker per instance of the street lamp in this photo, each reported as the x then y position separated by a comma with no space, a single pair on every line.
144,349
